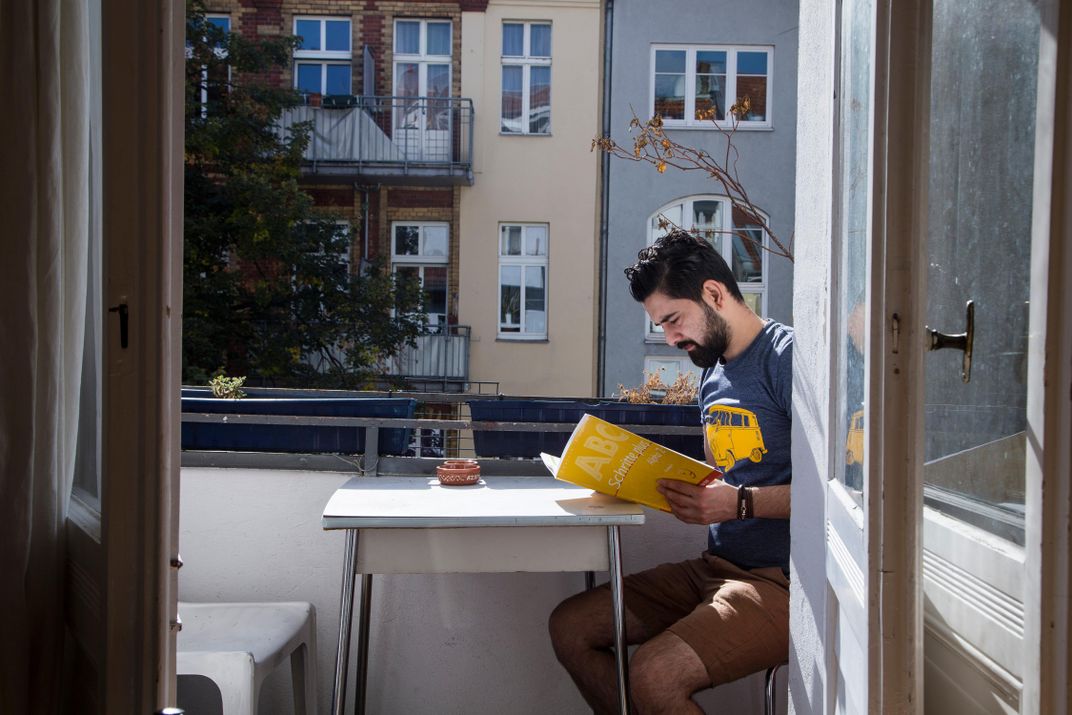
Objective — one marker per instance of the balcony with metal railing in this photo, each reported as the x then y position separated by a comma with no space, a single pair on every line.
441,353
250,530
387,140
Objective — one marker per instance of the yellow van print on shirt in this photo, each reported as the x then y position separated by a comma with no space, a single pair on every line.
733,433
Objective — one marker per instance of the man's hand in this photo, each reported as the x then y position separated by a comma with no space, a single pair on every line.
700,505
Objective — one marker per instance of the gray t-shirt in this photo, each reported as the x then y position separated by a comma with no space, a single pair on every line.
746,407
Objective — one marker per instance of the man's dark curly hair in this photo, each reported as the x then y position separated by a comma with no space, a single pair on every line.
677,264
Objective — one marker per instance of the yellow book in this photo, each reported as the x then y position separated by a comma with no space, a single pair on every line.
612,460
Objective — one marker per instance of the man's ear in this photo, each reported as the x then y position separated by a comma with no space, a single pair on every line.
714,293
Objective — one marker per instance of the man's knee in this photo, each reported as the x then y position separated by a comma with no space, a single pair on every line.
576,623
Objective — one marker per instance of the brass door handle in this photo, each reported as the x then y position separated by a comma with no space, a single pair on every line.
959,341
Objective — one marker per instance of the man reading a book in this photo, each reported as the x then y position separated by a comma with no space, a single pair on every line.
725,614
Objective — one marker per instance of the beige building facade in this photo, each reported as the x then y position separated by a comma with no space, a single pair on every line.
528,224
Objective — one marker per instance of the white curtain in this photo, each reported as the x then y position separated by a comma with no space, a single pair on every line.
44,230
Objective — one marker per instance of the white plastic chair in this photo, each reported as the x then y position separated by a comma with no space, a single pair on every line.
236,645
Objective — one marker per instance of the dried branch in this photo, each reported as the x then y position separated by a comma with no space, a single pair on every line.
652,145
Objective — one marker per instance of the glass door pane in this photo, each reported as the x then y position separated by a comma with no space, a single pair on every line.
854,171
982,130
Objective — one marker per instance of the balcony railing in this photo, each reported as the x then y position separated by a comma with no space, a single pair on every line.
423,140
440,353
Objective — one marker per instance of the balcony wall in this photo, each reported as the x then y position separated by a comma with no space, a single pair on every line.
442,353
440,644
412,140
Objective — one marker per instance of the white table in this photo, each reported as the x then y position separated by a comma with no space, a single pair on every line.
503,524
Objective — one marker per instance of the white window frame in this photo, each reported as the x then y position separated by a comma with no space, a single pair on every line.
690,121
422,59
723,243
526,61
323,57
522,261
420,257
421,260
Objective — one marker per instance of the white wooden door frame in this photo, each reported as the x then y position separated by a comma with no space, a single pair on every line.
1048,630
873,552
143,95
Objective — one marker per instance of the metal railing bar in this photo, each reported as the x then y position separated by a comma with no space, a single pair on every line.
402,422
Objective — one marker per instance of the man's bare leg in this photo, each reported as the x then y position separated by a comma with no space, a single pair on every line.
582,633
664,671
663,675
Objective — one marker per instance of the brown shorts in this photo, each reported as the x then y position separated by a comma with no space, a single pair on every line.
736,620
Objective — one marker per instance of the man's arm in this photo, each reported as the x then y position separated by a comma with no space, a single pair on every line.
717,502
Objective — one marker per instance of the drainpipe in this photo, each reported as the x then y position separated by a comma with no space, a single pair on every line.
365,189
604,199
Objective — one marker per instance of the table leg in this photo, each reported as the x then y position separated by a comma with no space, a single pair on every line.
346,618
363,643
621,649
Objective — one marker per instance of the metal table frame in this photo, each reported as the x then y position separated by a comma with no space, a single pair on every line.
354,525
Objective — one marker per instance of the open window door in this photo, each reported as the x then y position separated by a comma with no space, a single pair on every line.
872,537
122,526
987,144
947,508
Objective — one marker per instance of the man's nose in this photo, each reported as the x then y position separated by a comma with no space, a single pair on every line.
672,336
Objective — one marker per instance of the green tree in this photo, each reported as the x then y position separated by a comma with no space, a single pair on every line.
267,289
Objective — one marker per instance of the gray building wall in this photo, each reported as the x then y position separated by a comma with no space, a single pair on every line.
636,190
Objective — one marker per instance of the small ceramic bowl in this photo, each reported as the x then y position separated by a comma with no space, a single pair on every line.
458,472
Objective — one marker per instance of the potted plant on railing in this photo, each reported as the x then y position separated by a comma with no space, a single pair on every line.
652,403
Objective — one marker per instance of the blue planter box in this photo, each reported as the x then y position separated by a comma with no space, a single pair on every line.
530,444
305,439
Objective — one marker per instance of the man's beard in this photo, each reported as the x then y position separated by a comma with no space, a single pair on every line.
716,339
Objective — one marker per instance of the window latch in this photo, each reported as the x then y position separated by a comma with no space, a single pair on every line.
124,320
961,341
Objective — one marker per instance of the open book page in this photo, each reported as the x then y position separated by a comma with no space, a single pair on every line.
612,460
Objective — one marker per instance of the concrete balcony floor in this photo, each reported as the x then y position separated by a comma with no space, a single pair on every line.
453,643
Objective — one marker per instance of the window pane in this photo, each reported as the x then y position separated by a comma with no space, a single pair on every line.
536,241
407,241
438,81
710,96
309,77
540,100
753,301
435,294
670,96
438,38
752,63
309,32
511,99
854,172
981,184
511,241
707,218
513,42
755,88
510,299
540,41
337,35
710,62
408,38
748,254
407,77
407,275
671,61
338,79
535,297
435,240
